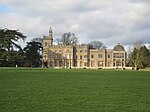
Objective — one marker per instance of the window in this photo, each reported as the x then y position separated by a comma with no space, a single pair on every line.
45,44
92,56
55,63
100,64
59,50
108,55
85,56
60,63
118,62
56,56
108,64
60,57
80,57
122,64
85,64
80,51
118,55
67,51
50,56
80,63
100,55
114,64
92,63
122,55
67,56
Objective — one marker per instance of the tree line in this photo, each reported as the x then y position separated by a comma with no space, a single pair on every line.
12,54
139,56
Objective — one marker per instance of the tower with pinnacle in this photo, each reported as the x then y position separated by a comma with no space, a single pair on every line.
48,40
51,36
47,43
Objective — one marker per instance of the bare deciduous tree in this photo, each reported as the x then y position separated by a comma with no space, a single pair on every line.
69,39
97,45
59,41
137,44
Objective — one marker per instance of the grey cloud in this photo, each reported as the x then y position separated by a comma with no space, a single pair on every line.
140,1
111,22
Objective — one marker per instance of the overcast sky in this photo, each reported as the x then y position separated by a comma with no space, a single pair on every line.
108,21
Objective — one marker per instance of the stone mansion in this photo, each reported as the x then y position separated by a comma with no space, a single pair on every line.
81,56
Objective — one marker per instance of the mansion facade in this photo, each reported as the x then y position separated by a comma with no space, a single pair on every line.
81,56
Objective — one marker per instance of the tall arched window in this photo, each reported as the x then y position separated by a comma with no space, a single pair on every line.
45,44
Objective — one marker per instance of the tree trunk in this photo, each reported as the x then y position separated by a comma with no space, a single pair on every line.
135,67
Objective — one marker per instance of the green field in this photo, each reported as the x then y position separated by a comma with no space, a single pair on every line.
51,90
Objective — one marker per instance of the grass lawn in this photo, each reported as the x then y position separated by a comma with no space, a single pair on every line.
62,90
